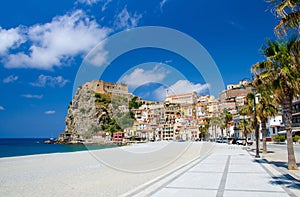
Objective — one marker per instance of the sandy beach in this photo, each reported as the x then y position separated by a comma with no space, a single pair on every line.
106,172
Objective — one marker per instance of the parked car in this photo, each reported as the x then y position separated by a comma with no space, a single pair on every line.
220,140
233,141
249,141
241,142
230,140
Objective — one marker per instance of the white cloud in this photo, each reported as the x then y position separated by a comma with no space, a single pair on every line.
10,79
50,112
162,3
105,4
92,2
32,96
45,80
56,42
140,76
88,2
99,55
11,38
1,108
185,86
180,87
125,20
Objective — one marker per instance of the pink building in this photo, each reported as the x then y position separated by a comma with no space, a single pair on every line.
118,136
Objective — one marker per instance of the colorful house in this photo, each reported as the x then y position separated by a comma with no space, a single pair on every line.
118,136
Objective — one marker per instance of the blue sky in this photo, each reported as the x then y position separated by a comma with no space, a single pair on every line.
43,43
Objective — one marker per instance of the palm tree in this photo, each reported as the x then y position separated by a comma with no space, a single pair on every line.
203,129
289,14
247,125
224,120
214,122
280,73
266,107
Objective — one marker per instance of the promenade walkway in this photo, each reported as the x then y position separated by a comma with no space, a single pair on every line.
227,170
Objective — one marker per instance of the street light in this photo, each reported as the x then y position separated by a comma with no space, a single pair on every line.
256,127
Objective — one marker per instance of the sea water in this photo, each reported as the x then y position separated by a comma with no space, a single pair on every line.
32,146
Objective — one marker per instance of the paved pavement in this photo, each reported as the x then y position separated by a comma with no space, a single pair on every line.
277,157
227,170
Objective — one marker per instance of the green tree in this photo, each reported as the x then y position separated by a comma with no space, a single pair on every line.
289,15
266,107
214,123
224,120
280,73
246,126
110,126
203,129
134,104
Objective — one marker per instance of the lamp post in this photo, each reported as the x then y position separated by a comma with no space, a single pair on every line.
256,128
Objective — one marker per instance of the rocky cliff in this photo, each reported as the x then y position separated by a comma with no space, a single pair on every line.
91,113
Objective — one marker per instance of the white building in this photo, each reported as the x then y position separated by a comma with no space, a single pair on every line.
187,98
274,125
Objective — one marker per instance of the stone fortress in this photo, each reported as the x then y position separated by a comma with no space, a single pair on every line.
91,107
102,87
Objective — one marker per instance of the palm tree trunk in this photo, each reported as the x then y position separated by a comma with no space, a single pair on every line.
287,118
215,133
222,134
264,134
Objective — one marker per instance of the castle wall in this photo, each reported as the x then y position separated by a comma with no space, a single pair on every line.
99,86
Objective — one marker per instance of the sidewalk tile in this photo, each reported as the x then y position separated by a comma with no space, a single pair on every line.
174,192
208,168
254,182
198,180
253,193
255,168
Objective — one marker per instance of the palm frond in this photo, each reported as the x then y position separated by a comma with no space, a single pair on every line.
288,21
288,13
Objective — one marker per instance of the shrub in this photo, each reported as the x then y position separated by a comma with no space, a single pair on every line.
296,138
134,104
82,110
102,98
279,138
97,95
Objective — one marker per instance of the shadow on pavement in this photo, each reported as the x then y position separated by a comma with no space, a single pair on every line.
285,179
280,164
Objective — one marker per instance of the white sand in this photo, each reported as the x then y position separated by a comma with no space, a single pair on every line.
107,172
